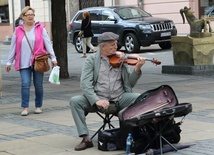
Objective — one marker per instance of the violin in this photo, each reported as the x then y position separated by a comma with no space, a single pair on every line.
132,60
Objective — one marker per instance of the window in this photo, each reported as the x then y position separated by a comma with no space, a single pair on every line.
131,13
4,11
80,17
206,8
95,15
107,15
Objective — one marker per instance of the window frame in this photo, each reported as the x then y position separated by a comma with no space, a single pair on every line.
204,5
4,14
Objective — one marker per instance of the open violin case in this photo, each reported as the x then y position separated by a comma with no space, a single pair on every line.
151,119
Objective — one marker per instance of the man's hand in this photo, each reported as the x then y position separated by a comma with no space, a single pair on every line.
103,103
141,61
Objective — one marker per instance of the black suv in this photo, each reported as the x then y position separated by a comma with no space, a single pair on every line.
134,26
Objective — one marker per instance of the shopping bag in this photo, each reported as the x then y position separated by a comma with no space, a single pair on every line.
54,76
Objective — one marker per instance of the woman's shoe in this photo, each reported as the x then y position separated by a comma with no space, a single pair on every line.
38,111
94,51
24,112
83,56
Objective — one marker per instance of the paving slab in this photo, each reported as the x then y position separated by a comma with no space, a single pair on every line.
54,132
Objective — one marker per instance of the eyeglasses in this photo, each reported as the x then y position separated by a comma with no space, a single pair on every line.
29,15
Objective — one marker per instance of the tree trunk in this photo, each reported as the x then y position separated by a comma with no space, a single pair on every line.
59,32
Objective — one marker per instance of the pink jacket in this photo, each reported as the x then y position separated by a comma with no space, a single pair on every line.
39,47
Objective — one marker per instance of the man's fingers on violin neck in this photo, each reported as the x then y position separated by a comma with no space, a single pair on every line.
139,59
142,59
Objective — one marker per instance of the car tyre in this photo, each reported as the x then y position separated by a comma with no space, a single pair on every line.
165,45
78,45
131,43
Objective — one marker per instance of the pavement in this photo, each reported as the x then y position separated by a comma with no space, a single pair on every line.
54,132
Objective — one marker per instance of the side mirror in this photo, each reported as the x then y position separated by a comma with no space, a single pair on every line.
111,18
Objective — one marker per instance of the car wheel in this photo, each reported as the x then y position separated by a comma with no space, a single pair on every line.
165,45
78,45
131,43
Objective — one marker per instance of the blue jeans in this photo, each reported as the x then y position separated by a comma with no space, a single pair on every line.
26,83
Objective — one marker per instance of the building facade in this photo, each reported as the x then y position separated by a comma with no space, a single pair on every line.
10,11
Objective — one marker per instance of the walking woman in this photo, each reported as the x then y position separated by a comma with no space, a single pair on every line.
24,58
87,33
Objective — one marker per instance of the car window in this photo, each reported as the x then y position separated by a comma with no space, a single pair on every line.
129,13
107,15
95,15
79,17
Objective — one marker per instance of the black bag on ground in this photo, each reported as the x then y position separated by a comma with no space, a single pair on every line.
109,140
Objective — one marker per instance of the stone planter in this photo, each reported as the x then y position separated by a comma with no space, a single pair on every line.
192,51
192,56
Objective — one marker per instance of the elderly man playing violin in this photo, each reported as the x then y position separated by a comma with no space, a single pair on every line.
102,83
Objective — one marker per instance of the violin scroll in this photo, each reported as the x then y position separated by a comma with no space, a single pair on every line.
154,61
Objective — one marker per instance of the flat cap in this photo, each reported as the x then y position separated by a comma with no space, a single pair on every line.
107,36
